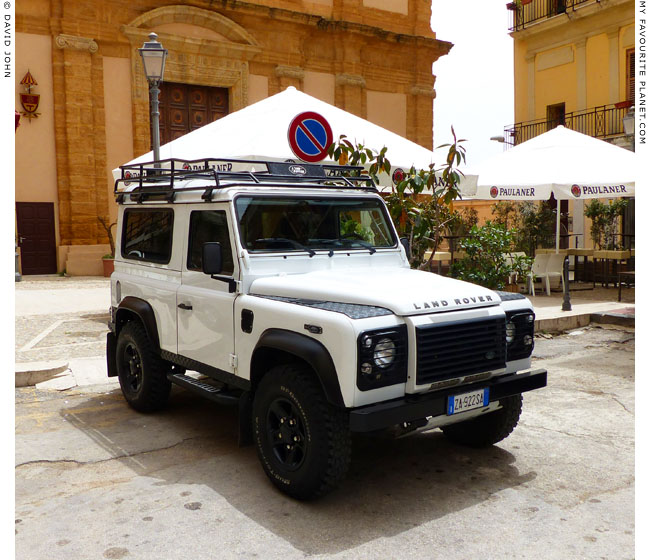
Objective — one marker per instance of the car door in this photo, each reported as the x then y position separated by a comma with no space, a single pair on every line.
205,305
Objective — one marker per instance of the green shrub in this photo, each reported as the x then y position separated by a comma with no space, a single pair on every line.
486,257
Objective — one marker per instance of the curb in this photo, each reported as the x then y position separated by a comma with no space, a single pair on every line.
31,373
560,324
613,318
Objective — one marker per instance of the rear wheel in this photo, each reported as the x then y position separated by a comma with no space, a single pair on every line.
141,371
302,441
487,429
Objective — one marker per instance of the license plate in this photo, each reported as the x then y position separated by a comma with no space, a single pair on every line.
468,401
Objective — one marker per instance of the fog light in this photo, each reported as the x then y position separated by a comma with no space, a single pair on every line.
510,332
366,368
528,340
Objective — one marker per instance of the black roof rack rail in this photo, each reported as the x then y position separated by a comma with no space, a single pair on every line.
153,180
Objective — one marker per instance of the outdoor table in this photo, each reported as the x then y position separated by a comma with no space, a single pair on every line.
585,254
550,251
603,257
439,257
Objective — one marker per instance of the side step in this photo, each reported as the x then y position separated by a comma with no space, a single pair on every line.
215,394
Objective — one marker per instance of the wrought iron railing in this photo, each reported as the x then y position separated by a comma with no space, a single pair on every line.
523,13
604,122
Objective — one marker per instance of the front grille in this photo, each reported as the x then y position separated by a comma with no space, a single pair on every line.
450,350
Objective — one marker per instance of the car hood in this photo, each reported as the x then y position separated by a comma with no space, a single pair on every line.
403,291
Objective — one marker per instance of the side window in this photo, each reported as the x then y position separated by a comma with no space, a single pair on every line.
147,235
209,225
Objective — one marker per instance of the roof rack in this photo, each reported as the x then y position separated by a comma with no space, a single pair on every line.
163,179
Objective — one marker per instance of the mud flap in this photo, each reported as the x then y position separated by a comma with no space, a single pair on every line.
111,346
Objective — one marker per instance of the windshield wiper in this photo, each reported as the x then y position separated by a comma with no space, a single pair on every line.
291,242
363,244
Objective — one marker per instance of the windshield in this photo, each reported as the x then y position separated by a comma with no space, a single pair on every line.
306,224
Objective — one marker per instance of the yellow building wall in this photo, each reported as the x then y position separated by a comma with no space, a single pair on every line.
555,85
597,70
35,157
625,41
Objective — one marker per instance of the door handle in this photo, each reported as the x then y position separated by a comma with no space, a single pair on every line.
186,306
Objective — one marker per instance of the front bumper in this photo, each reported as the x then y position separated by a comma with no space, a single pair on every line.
414,407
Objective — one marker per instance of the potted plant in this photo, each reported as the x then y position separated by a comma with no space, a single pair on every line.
108,259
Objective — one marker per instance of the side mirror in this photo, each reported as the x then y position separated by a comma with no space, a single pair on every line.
407,246
212,258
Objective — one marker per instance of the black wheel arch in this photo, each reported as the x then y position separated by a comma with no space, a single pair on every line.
131,308
277,346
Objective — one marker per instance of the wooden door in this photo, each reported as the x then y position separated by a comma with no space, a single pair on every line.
185,107
36,237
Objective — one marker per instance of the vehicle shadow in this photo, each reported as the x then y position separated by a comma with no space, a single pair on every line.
392,485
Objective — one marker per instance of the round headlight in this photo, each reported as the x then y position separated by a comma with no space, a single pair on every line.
384,354
510,332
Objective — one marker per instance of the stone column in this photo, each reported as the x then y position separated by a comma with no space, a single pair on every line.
80,140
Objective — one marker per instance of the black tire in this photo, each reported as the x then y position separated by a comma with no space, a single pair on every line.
487,429
141,371
289,404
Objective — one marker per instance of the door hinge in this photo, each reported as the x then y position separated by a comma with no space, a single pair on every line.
233,361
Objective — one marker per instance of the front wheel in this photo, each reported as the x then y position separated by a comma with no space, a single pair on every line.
141,371
487,429
302,441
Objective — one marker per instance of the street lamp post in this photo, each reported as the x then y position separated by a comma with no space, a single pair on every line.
153,59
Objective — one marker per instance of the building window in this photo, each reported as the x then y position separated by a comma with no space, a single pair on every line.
186,107
629,75
555,115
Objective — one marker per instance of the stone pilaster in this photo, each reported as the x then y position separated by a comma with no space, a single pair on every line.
81,140
419,115
350,93
289,76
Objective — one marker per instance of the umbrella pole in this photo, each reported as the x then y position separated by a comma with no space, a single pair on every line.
557,229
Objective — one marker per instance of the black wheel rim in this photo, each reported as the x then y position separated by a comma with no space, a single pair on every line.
285,430
132,363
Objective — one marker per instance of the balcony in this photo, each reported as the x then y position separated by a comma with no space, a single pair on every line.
605,122
525,12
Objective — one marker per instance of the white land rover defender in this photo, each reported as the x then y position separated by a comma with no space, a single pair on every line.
287,289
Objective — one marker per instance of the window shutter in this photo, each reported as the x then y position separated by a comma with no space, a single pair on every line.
629,81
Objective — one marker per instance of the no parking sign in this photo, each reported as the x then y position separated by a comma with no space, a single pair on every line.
310,135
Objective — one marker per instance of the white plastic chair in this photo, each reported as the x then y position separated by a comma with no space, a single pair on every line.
537,270
554,268
545,267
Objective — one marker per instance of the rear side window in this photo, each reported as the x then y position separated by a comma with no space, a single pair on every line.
205,226
147,235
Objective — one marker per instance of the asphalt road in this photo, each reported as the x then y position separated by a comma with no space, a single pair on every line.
95,479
